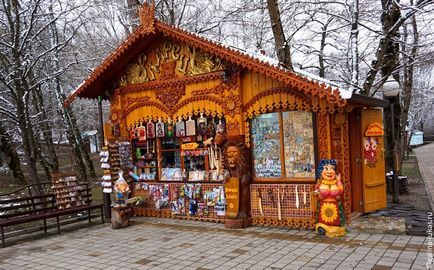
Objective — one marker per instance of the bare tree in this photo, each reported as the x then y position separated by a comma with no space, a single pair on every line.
282,46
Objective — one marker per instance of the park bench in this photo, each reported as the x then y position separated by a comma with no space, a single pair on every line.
37,202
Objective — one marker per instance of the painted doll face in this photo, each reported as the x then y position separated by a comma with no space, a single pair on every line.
328,173
366,144
374,144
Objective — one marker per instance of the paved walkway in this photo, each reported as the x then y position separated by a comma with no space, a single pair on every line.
425,159
151,243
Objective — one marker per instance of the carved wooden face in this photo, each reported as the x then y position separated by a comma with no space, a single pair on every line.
328,173
233,156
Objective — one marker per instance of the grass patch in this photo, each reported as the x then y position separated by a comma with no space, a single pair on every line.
410,167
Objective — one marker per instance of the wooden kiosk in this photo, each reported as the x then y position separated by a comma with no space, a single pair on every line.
265,129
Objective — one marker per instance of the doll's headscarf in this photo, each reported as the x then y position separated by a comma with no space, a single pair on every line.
323,163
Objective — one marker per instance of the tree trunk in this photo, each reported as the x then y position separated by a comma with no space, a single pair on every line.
354,47
70,122
281,44
47,133
14,163
409,59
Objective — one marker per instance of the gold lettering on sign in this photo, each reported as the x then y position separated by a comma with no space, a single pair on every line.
232,193
189,61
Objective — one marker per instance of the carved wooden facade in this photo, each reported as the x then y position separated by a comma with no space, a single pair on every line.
179,74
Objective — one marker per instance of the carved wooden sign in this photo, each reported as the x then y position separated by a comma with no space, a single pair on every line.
232,191
187,60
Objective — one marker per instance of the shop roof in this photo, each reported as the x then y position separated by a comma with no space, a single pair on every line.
99,82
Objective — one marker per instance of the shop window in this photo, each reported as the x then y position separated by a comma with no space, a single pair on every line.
283,146
266,146
179,151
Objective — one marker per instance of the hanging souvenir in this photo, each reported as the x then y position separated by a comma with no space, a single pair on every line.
150,129
160,128
170,128
180,128
142,133
201,125
132,133
220,127
210,129
190,127
138,153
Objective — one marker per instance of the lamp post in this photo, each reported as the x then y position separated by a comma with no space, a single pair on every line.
391,89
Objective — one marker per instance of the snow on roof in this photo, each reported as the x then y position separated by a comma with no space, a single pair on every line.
345,94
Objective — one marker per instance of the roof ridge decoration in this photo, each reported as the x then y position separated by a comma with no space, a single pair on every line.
146,17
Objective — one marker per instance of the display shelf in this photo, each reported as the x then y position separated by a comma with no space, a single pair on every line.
173,200
66,189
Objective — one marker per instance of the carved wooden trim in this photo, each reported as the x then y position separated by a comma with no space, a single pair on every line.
273,91
323,138
284,222
146,104
196,98
130,101
233,127
167,83
346,170
170,96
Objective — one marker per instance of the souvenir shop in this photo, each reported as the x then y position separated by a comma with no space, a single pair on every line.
207,132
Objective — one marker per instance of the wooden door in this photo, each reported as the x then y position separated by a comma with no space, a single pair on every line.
373,170
355,160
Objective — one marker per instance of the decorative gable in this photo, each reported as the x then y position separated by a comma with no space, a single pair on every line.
169,59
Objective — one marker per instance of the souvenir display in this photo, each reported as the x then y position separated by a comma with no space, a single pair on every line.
141,132
122,191
114,161
170,128
298,144
211,129
133,133
161,133
220,127
125,160
196,175
159,195
281,201
67,191
190,127
180,128
171,174
201,125
150,129
201,200
266,146
106,182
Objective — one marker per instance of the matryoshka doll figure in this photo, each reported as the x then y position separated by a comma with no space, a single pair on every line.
330,217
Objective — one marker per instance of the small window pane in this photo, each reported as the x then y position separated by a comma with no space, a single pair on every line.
298,144
266,145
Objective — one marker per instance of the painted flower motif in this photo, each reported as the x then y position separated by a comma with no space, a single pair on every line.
329,212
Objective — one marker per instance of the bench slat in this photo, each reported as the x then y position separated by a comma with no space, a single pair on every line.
15,200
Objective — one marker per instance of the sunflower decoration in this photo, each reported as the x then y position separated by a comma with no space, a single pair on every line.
329,212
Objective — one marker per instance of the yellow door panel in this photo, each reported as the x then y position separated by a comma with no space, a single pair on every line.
373,170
